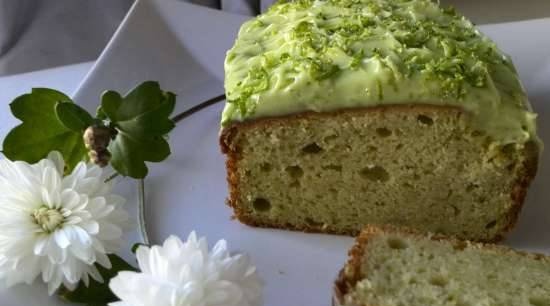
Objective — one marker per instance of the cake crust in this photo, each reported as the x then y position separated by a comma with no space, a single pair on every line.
234,153
351,274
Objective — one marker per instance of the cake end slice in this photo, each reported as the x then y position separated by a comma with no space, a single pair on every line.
390,267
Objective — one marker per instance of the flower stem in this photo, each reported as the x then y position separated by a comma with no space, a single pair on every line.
111,177
141,183
141,212
197,108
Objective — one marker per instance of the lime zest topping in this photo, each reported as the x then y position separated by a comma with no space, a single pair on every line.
314,54
458,58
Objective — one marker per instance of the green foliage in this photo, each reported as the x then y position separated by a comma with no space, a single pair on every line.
51,121
41,131
96,293
110,102
141,120
73,117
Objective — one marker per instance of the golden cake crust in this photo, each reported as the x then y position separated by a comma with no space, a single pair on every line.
234,153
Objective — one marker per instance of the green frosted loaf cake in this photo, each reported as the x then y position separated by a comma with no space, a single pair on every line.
342,113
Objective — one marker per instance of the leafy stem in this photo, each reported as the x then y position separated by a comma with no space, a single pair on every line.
177,118
141,212
111,177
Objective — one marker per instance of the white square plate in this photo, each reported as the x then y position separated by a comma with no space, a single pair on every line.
183,46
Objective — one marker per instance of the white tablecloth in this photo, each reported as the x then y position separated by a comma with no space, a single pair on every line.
41,34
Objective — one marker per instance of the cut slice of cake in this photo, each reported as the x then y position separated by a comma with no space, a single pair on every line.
345,113
390,267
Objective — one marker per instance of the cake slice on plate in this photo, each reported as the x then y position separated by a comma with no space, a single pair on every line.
344,113
390,267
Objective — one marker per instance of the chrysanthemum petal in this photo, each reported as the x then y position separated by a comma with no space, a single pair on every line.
57,159
61,238
40,245
94,273
70,199
142,256
108,231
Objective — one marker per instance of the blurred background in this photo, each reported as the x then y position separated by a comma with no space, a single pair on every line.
39,34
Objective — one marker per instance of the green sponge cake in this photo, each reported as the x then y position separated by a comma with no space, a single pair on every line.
344,113
389,267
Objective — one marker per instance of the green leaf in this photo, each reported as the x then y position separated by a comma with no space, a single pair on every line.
110,102
141,99
96,293
41,131
72,116
100,114
142,120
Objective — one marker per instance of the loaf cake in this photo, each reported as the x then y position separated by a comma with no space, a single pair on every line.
389,267
342,113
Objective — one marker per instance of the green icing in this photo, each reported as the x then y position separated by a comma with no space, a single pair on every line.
325,55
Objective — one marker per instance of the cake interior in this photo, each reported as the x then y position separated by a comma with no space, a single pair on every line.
411,165
401,270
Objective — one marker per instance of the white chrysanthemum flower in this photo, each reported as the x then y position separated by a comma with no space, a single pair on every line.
56,226
186,274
